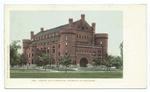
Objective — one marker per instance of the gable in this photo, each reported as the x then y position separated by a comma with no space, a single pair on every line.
82,25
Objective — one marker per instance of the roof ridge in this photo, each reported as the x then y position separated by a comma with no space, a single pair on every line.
52,30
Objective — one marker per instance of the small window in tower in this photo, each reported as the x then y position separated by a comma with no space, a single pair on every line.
53,49
100,42
66,43
32,54
66,37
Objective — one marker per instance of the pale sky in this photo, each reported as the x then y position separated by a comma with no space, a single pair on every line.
111,22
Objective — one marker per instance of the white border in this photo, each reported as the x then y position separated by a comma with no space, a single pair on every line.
67,1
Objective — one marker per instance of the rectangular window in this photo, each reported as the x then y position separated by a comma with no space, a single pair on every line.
32,54
66,37
100,42
66,44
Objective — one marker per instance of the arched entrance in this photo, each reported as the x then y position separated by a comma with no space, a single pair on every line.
83,62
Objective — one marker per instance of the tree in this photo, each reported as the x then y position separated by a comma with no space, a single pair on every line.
23,60
121,49
38,60
14,55
108,61
46,58
65,60
96,61
118,62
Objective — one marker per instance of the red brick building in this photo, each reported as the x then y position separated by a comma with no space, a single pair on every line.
77,38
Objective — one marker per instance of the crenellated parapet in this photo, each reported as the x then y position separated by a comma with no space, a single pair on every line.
101,35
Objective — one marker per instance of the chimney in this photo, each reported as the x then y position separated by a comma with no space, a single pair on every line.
32,34
70,22
93,25
42,29
82,16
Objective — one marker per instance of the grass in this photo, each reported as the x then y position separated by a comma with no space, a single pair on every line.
25,70
66,75
35,73
62,69
98,69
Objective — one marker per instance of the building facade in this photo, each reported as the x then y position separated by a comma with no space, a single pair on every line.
76,38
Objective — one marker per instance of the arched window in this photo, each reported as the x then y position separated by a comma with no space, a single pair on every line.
53,49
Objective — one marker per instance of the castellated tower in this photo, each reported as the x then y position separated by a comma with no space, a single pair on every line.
67,40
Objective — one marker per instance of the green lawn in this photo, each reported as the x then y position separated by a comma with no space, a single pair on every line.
66,75
25,70
62,69
99,69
